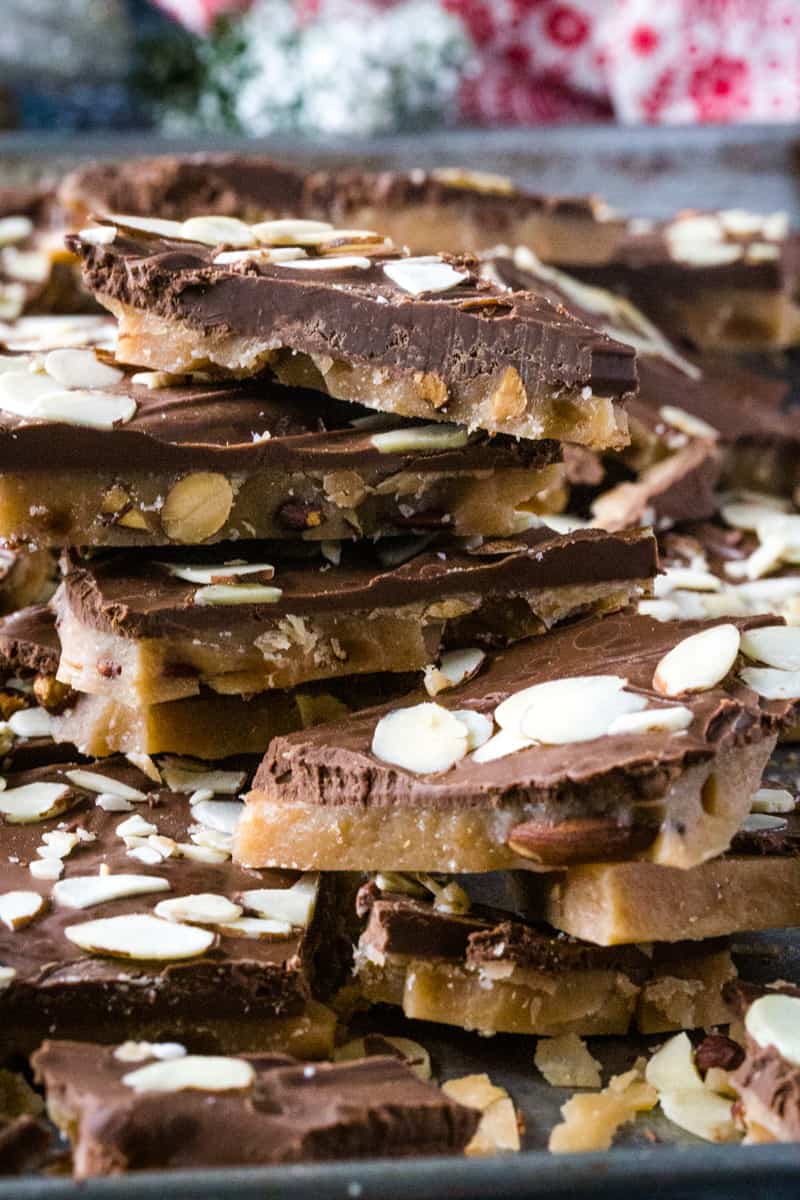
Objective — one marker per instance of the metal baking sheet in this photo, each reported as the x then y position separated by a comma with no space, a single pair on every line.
651,172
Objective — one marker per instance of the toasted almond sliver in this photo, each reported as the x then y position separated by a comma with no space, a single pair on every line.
187,775
206,574
93,781
204,908
255,927
424,738
31,723
429,274
294,905
140,936
34,802
701,1112
218,231
284,231
774,645
411,438
699,662
80,369
479,727
561,711
457,666
672,1067
198,1072
500,745
237,593
771,683
84,891
223,816
653,720
20,908
153,226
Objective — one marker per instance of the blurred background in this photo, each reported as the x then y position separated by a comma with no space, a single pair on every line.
361,68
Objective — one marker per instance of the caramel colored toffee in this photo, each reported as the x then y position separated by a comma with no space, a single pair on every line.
755,886
249,1110
122,915
145,631
26,576
451,208
171,460
346,314
485,971
618,756
725,280
695,420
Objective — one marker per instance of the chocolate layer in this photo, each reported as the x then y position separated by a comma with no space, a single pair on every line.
58,987
131,595
361,316
29,642
334,765
289,1113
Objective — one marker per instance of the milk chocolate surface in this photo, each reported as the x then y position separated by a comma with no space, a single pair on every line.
59,987
290,1112
361,316
334,764
132,595
29,642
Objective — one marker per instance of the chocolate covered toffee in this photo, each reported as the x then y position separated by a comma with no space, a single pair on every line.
343,312
123,916
142,1105
483,970
612,738
145,458
768,1081
239,619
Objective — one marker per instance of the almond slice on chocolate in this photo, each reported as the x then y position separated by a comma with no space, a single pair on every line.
503,743
294,905
420,437
35,802
136,826
152,226
339,262
93,781
220,571
198,1072
140,936
652,720
20,908
31,723
142,1051
186,775
761,822
772,801
454,667
237,593
775,646
220,815
255,927
687,423
699,662
80,369
218,231
560,711
426,274
84,891
203,908
775,1021
772,683
287,230
425,738
479,727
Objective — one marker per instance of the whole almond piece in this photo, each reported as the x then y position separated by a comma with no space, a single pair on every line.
582,839
197,507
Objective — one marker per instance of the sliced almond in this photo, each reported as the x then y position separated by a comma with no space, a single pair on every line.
702,1113
185,775
81,369
145,764
761,822
96,410
561,711
93,781
672,1067
152,226
15,229
195,1072
747,514
455,667
237,593
685,579
197,507
202,854
772,684
140,936
479,727
202,836
142,1051
294,905
136,826
503,743
35,802
652,720
255,927
220,815
204,908
46,868
420,437
772,801
286,231
84,891
774,645
687,423
213,574
425,738
218,231
420,275
110,803
20,908
339,262
57,843
7,977
278,254
98,235
31,723
699,662
775,1021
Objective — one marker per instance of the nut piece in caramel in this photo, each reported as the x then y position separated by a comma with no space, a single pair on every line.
197,507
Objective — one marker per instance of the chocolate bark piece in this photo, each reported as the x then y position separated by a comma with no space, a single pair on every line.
723,280
258,459
768,1081
166,635
450,208
325,797
483,970
414,337
695,419
276,1110
134,972
37,274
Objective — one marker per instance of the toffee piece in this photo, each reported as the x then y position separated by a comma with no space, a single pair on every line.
484,971
451,209
121,915
148,459
342,312
125,1113
613,738
240,620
